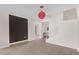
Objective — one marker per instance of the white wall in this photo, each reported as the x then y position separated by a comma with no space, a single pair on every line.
77,29
62,32
4,27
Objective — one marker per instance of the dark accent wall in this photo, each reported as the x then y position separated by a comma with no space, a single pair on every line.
18,28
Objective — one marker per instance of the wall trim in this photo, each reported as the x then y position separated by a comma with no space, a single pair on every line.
47,41
77,50
4,46
18,42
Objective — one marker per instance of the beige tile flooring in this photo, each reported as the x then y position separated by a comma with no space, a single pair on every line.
37,47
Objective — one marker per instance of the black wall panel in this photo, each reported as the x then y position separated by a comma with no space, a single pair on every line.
18,28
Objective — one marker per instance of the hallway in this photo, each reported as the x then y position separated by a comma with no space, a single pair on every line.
37,47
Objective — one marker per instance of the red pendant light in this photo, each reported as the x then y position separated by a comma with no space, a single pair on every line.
41,14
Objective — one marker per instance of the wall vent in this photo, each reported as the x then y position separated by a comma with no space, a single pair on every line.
70,14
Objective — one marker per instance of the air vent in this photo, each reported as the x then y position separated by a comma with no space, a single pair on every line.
70,14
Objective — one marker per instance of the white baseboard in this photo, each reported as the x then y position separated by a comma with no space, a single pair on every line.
18,42
77,50
49,41
4,46
8,45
